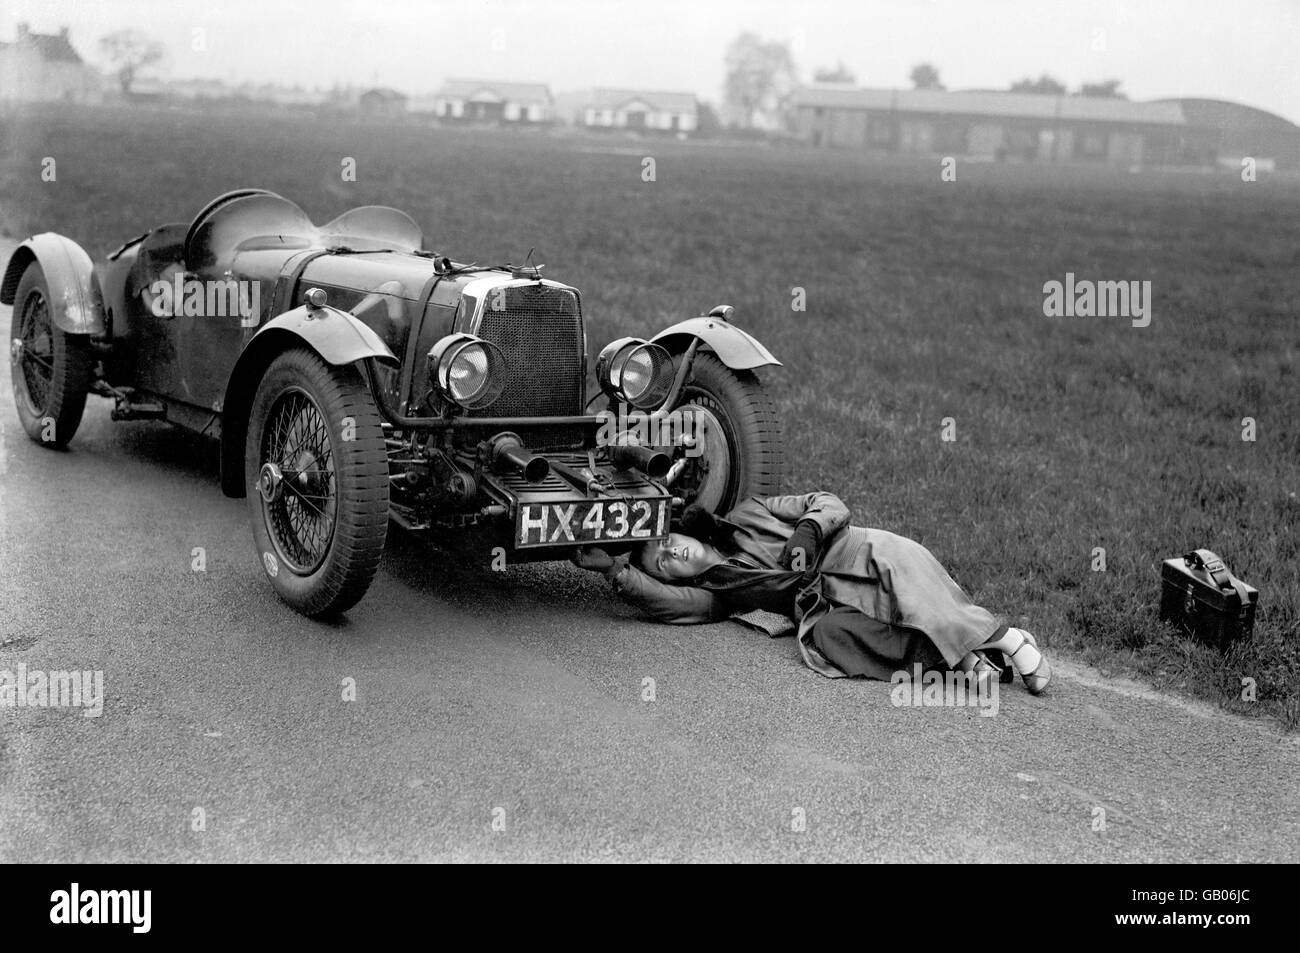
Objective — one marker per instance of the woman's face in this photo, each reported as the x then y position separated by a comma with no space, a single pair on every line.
677,557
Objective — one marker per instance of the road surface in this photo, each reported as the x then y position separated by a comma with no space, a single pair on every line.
505,716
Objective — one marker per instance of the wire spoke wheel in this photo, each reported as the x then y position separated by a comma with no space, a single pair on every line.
706,478
301,517
316,473
743,449
36,350
51,369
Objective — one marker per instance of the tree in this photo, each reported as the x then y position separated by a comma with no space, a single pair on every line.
707,123
1044,84
1108,89
129,51
840,74
925,76
759,76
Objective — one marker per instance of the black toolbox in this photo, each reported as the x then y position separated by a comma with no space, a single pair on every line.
1204,599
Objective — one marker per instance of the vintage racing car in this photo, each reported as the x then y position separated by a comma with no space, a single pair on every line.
353,377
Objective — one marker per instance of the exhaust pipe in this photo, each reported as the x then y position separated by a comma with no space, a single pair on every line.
508,453
653,463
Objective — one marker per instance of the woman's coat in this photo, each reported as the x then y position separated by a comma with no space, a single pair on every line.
892,579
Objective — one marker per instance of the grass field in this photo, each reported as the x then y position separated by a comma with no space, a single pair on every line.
924,302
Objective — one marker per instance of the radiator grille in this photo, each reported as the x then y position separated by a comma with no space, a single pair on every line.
539,330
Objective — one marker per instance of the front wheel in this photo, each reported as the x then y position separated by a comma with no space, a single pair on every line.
742,451
51,368
317,477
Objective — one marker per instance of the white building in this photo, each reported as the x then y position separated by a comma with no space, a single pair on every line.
469,100
640,110
39,67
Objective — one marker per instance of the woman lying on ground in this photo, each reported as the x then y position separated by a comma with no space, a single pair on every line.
867,602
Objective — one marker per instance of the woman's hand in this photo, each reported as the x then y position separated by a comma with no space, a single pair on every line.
800,551
699,523
593,558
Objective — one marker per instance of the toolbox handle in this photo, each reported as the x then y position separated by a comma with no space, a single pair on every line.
1212,564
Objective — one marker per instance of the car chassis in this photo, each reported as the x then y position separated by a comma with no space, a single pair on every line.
352,377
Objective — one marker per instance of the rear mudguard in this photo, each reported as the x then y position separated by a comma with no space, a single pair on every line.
736,348
337,336
74,306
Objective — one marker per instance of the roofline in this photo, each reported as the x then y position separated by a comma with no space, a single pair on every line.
495,82
1226,102
893,95
647,92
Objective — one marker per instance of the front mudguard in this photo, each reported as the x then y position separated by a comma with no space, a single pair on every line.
75,308
737,349
336,335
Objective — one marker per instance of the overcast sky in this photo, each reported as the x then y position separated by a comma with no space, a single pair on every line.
1248,52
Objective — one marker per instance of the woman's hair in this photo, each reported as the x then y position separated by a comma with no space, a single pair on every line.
643,558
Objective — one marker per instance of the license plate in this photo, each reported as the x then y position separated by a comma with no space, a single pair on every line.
590,521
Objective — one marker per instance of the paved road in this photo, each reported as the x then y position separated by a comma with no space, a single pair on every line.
519,697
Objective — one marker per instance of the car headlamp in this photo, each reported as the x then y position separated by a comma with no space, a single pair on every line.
467,370
635,371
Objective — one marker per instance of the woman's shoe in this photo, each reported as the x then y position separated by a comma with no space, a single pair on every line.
986,672
1036,680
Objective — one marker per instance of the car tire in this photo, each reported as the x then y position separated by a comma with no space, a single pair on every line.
752,451
320,525
51,370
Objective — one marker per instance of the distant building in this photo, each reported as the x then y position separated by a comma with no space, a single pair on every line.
144,89
423,104
155,89
280,95
39,67
640,110
199,89
470,100
382,101
992,125
1224,133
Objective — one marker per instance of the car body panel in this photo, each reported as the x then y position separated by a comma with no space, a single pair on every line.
74,307
190,315
738,349
336,335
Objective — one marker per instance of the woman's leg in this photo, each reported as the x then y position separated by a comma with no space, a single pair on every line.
857,644
1021,648
925,597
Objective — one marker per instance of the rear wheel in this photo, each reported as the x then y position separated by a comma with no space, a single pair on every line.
317,478
743,448
51,368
